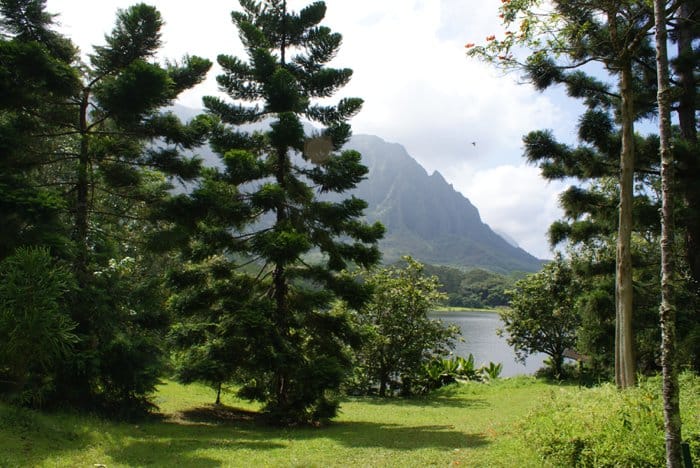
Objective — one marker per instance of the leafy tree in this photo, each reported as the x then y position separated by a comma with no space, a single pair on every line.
566,37
36,332
218,327
399,337
277,215
542,316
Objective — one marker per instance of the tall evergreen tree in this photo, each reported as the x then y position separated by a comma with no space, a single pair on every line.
36,78
107,146
301,239
667,310
121,138
570,35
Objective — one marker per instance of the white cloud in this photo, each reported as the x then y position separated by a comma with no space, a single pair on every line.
420,90
517,201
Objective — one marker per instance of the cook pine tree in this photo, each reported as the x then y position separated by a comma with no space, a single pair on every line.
106,149
301,233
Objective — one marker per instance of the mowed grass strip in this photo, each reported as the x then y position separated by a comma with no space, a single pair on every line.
461,425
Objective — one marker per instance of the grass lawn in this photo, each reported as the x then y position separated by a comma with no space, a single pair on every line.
467,425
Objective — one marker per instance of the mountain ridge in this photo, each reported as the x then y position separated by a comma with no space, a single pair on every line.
426,217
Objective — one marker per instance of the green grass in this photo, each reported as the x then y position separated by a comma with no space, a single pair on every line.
467,425
511,422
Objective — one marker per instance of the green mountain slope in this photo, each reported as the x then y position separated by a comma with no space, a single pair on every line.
426,217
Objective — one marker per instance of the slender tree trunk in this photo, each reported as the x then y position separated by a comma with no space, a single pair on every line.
383,381
624,335
218,394
667,312
687,121
280,286
558,361
279,279
82,188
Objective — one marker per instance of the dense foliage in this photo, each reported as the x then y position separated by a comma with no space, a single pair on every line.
604,427
399,338
36,329
477,288
542,317
270,327
86,148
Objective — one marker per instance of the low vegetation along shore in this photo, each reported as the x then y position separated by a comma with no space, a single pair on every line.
511,422
464,310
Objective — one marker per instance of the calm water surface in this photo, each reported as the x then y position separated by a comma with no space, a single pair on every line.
480,339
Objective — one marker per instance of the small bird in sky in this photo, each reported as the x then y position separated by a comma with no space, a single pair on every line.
473,143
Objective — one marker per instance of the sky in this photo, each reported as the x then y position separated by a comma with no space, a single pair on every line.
453,113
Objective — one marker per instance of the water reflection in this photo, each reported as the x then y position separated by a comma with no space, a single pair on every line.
480,339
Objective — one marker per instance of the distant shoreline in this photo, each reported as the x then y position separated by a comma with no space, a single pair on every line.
462,310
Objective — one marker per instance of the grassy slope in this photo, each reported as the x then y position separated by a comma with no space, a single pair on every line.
470,425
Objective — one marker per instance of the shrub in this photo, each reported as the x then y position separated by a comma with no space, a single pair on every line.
35,330
440,372
603,426
398,336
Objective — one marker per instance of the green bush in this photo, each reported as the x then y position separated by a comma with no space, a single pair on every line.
398,336
35,329
440,372
604,427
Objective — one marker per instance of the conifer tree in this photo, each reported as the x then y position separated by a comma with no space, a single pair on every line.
569,35
108,147
301,239
36,78
120,140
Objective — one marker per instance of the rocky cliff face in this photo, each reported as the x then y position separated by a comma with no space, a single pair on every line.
425,217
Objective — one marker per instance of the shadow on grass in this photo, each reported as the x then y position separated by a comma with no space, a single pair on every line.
219,414
229,432
177,442
445,400
29,436
392,436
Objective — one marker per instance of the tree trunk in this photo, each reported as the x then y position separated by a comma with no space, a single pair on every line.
383,380
82,189
624,335
687,121
667,312
558,362
280,288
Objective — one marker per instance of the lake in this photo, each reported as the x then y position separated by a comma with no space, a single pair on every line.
480,339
